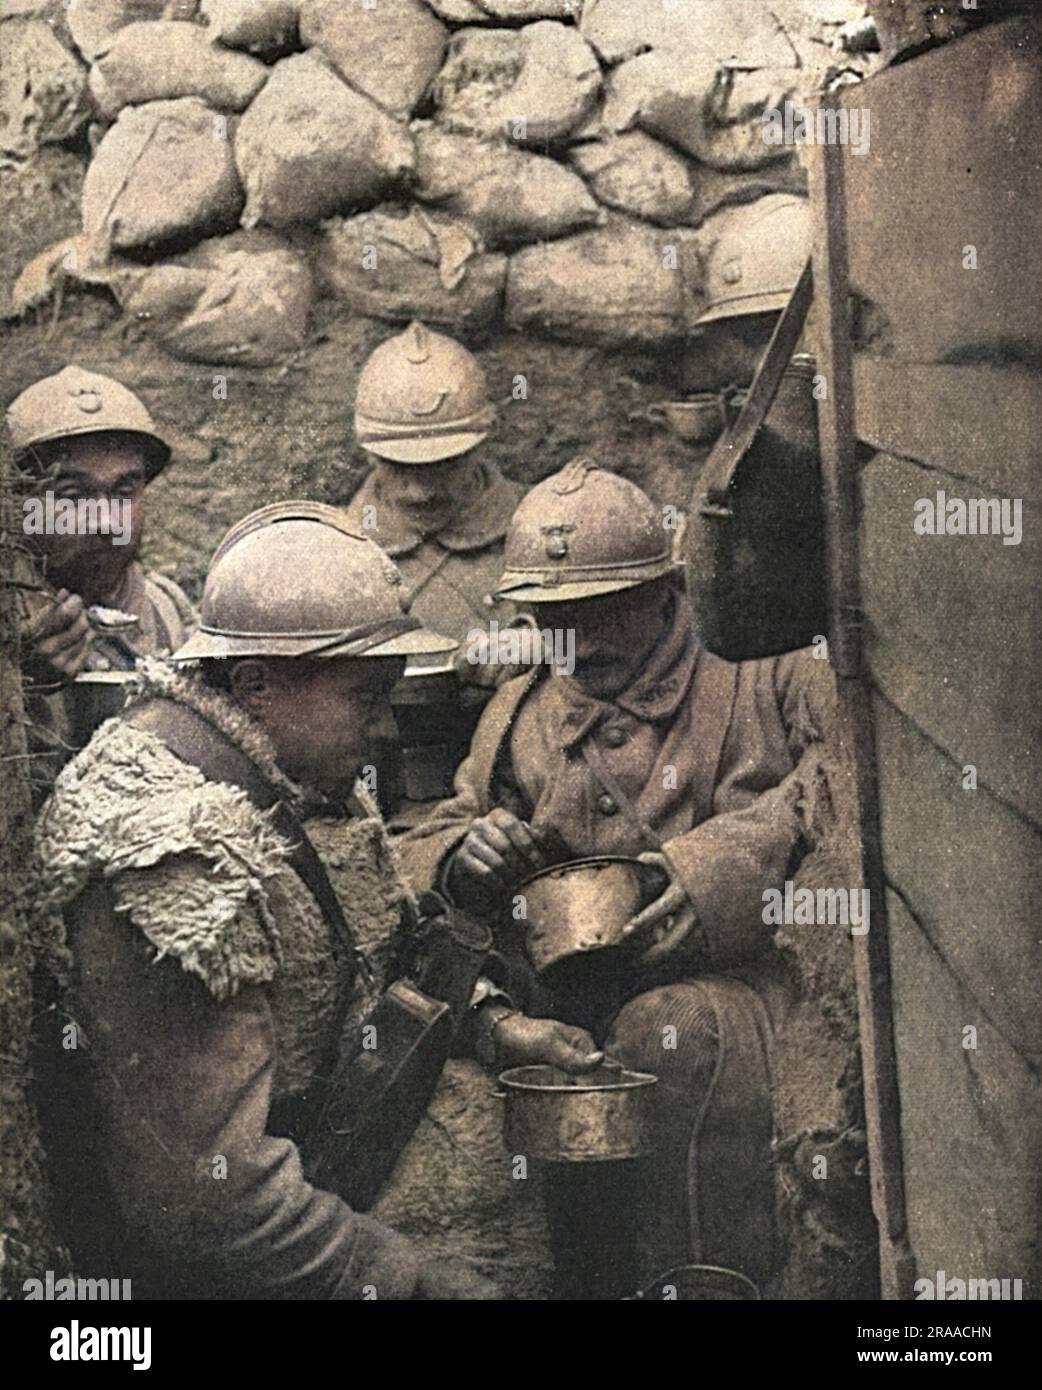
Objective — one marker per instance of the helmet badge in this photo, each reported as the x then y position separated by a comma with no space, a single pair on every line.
557,540
87,399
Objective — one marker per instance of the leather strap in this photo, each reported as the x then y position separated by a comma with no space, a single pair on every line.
193,739
732,446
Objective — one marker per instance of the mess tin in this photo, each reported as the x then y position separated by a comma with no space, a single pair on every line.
596,1118
576,913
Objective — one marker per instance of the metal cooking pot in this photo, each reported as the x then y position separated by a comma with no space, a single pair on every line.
578,910
596,1118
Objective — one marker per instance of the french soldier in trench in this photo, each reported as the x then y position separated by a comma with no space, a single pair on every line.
656,749
439,505
226,918
90,609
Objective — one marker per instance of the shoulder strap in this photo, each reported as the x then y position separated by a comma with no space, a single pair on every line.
199,743
732,446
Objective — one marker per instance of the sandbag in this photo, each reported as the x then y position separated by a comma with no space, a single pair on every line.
258,26
617,284
43,95
498,11
161,171
751,34
639,175
309,146
398,265
163,61
92,23
243,298
391,51
532,85
707,109
509,195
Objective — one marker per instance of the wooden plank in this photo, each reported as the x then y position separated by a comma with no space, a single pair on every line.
952,632
982,423
970,1119
952,162
971,872
840,494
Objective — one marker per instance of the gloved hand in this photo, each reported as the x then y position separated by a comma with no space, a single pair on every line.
498,852
667,926
526,1042
56,640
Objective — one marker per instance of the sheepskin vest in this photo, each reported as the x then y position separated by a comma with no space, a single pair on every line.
202,873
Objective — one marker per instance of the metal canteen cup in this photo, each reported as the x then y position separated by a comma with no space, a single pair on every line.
601,1117
576,913
697,419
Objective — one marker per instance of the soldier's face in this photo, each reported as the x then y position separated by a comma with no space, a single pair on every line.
98,487
325,718
614,634
430,494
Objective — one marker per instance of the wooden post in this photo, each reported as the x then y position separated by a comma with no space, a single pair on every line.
840,489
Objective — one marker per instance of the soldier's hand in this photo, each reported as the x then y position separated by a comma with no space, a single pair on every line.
527,1042
57,640
498,852
443,1282
666,924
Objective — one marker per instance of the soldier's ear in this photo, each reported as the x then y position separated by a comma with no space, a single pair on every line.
250,685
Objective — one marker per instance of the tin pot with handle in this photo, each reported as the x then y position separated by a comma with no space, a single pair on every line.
596,1118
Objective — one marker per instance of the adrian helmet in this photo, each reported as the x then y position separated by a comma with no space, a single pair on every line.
78,402
580,533
756,253
293,579
422,397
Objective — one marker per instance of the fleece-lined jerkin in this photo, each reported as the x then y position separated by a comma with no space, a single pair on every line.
204,982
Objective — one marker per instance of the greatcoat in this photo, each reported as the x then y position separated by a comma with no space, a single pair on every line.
712,764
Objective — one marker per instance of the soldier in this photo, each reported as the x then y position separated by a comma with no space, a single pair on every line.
652,748
440,507
753,264
209,977
83,438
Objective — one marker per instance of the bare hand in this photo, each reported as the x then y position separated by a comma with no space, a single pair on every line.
658,930
448,1282
526,1042
57,639
498,852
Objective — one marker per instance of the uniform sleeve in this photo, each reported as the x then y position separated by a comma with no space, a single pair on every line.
209,1197
729,861
426,848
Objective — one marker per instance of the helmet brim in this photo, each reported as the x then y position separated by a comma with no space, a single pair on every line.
529,592
430,450
747,304
213,646
157,451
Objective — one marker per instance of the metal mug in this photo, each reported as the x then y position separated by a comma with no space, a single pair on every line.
576,912
697,419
